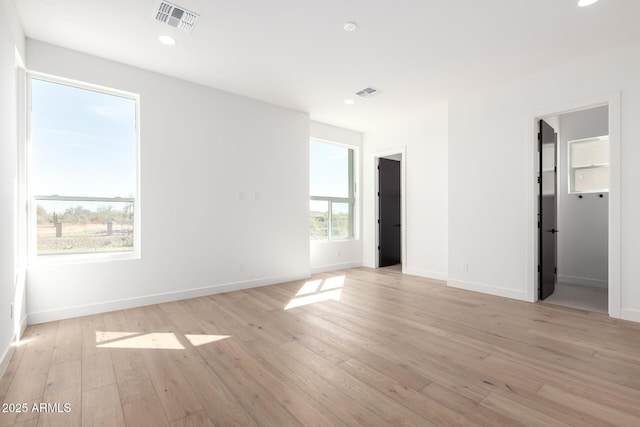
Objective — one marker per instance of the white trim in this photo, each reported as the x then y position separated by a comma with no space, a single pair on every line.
22,327
122,304
426,274
612,100
82,85
6,358
8,354
630,314
334,267
584,281
402,150
486,289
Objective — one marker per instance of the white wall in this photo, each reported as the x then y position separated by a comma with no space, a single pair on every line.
200,149
582,241
11,37
491,173
336,255
424,140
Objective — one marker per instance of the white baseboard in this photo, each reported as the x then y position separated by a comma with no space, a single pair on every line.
630,314
23,327
334,267
425,273
575,280
487,289
104,307
6,358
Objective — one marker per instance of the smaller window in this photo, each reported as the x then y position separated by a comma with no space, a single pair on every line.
332,190
589,165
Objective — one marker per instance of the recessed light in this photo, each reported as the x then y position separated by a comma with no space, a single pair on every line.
350,26
585,3
168,40
348,101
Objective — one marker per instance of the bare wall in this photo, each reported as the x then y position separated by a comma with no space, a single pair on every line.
224,182
424,139
11,39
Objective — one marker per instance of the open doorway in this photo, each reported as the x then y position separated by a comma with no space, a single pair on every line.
573,210
390,210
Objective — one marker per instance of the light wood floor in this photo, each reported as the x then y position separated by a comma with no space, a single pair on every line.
359,347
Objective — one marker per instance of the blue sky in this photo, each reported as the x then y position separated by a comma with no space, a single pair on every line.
83,142
329,169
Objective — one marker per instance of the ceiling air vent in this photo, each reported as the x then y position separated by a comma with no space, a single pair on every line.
368,92
176,16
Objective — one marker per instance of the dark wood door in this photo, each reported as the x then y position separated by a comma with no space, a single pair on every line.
389,209
547,210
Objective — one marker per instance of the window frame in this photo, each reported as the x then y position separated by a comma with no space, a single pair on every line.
572,169
32,199
351,198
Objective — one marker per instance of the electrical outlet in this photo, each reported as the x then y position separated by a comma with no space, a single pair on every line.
241,267
465,267
339,253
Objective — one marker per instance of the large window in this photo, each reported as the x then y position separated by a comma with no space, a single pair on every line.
82,170
589,165
332,191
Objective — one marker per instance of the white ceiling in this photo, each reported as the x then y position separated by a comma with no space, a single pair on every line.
295,53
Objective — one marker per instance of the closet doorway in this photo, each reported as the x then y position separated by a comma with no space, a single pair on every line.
581,209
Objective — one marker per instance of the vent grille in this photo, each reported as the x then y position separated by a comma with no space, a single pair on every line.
368,92
176,16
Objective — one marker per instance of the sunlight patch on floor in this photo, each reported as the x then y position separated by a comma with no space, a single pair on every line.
22,342
309,287
198,340
154,340
105,336
314,291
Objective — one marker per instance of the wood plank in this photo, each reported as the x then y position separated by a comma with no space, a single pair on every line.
590,407
197,420
519,412
129,367
467,407
347,408
220,404
63,387
146,411
101,407
419,403
68,347
287,393
393,350
175,394
263,407
387,409
97,366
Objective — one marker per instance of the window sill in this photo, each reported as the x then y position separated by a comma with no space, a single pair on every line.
88,258
324,242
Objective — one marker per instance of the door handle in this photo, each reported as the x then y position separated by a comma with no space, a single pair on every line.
397,225
553,231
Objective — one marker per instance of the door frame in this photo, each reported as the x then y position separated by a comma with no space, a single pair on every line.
403,202
612,100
